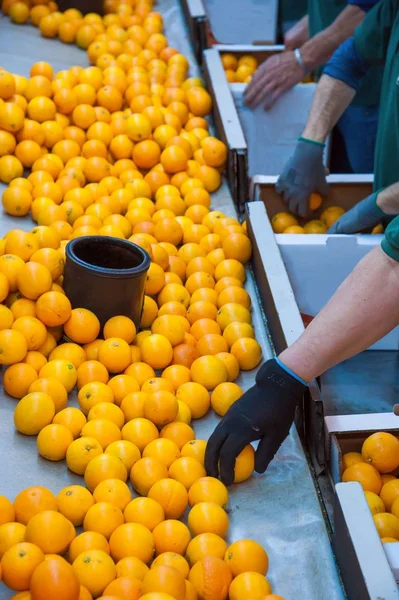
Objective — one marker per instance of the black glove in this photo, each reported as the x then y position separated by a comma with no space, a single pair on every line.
364,215
266,412
303,174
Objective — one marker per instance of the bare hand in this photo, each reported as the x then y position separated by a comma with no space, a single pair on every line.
276,75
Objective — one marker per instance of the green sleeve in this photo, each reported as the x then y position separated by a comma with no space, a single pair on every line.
372,36
390,243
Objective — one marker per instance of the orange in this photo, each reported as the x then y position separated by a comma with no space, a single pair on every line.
375,503
381,450
114,491
7,511
20,243
121,386
156,350
11,533
145,472
50,531
232,311
389,492
31,501
11,118
211,578
92,371
121,327
88,540
205,544
94,393
170,559
208,489
103,518
209,371
237,330
81,452
33,331
171,495
249,585
223,396
244,465
208,517
195,449
53,388
315,226
160,407
150,312
174,292
146,511
186,470
126,451
177,375
331,214
131,566
102,467
146,154
18,378
132,405
95,570
172,327
246,555
165,579
179,433
17,201
71,352
163,450
107,411
103,430
386,477
82,326
366,475
91,349
204,326
124,588
19,563
73,502
54,578
387,525
53,442
114,354
248,353
33,412
171,536
140,432
62,370
132,539
35,359
10,166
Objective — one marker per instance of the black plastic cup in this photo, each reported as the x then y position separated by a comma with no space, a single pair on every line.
107,276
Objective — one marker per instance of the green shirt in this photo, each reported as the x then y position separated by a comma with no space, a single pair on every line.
292,10
377,40
322,13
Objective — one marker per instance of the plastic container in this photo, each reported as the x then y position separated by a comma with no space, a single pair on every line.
107,276
87,6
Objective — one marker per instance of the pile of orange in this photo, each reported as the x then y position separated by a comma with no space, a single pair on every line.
376,468
122,149
130,548
239,70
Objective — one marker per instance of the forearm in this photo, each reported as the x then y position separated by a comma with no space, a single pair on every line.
388,200
297,35
356,317
332,97
321,47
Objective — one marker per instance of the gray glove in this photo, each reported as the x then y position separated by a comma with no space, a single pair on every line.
303,174
364,215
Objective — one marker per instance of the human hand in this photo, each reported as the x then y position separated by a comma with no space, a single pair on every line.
265,412
303,174
364,215
276,75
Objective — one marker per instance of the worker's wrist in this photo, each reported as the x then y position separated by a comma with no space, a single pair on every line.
300,61
290,372
310,141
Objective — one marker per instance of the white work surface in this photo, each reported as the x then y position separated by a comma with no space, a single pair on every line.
279,509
